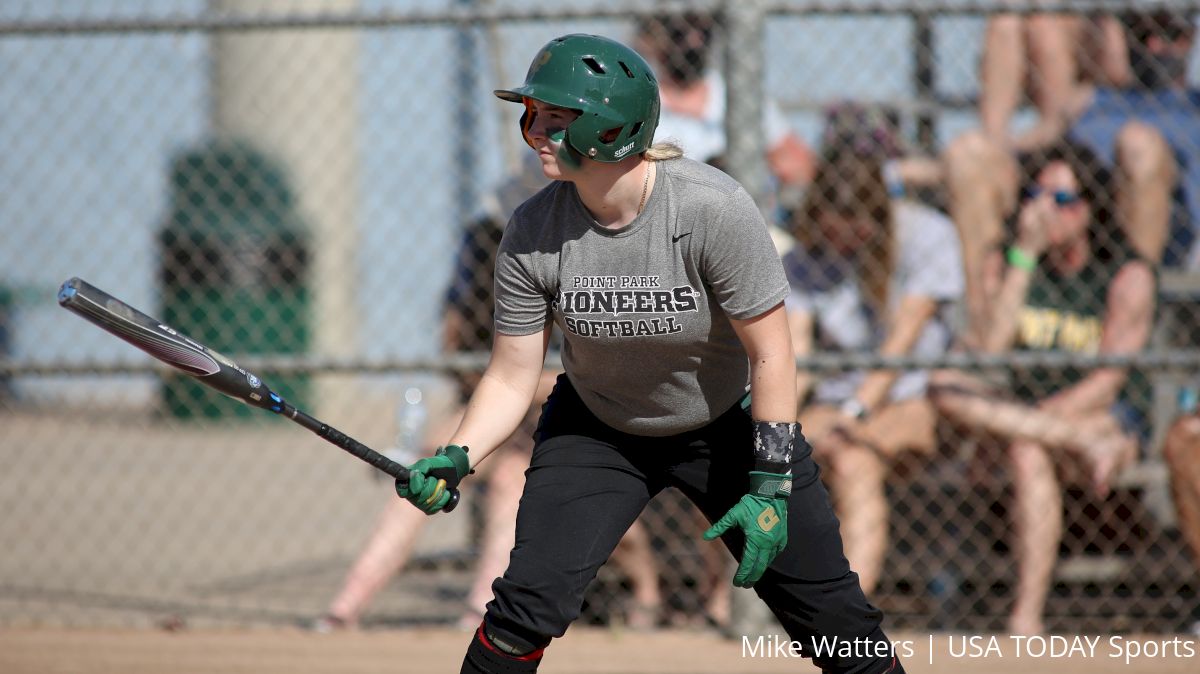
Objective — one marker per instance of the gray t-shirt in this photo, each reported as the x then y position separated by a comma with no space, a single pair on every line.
644,309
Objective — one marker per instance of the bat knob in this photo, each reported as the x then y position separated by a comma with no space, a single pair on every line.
68,291
453,502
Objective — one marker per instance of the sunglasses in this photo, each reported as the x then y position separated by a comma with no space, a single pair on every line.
1062,198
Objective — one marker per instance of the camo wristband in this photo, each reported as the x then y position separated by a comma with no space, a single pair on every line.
773,446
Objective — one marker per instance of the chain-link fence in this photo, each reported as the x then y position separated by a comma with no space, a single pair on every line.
991,321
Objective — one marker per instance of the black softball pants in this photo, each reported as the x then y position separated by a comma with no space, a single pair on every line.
587,483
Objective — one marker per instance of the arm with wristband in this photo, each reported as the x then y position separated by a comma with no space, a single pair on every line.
762,513
1022,259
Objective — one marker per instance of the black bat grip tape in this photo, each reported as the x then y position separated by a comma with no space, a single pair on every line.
374,458
363,452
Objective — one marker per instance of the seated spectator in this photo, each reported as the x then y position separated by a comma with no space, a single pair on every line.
1072,284
1146,132
678,46
868,273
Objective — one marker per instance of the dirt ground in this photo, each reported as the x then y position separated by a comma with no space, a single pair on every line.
582,651
115,521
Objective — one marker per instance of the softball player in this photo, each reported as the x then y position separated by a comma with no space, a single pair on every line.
662,277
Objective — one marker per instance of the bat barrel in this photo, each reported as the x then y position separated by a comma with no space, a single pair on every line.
209,367
165,343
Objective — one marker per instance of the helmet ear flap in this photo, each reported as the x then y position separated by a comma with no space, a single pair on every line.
527,118
566,153
617,142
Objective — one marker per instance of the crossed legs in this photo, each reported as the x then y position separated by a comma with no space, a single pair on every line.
1039,442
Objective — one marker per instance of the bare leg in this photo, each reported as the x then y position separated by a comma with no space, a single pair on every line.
391,542
1053,74
858,459
857,478
817,423
1002,74
1037,524
982,183
386,551
505,484
636,560
1182,450
1145,174
715,586
904,425
1108,52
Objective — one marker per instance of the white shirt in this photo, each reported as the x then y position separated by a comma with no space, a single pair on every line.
703,138
929,264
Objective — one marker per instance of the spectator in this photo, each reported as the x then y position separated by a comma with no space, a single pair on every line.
1146,131
693,95
1072,284
678,46
869,273
467,327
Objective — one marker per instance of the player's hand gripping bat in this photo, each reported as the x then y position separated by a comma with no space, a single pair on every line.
212,369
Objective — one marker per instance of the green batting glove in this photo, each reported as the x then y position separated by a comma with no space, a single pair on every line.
432,481
762,515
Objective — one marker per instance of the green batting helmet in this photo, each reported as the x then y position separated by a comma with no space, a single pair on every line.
609,83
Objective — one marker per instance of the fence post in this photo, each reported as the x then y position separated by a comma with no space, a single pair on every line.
467,161
746,152
924,81
746,140
265,89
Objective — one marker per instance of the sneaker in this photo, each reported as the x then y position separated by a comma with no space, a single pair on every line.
327,624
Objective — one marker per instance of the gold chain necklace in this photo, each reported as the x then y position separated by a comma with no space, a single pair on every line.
645,187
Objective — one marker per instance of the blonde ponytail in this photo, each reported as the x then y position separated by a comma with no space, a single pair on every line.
663,150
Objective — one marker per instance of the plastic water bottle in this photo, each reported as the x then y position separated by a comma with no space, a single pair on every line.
1189,397
411,417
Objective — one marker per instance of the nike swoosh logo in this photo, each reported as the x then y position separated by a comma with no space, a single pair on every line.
675,239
